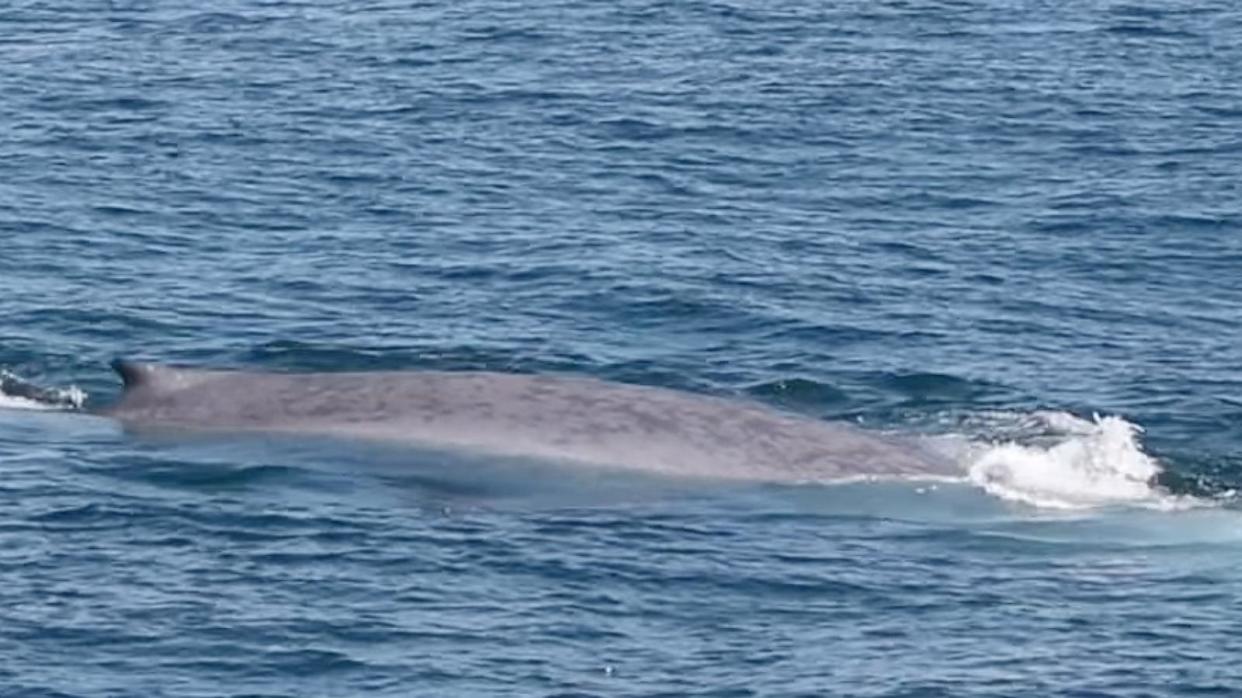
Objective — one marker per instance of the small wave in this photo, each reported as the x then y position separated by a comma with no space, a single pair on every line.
1073,463
18,393
927,388
799,392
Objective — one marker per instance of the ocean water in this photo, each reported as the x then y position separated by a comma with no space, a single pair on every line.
1010,228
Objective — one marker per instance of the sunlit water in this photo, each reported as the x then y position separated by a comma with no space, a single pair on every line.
1009,230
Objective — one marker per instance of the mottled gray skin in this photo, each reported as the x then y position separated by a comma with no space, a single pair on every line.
579,420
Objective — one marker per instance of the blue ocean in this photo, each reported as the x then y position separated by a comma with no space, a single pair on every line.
1011,229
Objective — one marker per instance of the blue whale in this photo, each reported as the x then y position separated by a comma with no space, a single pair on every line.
567,419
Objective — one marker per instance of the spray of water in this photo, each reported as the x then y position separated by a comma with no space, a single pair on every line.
1075,463
18,393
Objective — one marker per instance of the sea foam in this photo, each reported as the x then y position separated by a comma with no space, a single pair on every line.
1076,464
18,393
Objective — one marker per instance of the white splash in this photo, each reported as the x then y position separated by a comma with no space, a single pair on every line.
18,393
1090,463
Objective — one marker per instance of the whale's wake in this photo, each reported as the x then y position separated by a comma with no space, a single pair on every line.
19,393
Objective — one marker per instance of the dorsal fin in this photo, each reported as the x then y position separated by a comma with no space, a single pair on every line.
136,374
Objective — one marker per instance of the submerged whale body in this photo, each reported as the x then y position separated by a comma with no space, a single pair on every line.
559,418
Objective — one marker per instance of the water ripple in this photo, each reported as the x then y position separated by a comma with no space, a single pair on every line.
928,216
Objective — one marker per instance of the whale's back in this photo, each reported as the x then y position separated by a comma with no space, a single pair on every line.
552,417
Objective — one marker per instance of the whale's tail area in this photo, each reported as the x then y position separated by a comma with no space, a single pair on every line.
18,393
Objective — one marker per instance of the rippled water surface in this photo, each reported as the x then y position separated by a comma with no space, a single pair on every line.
981,223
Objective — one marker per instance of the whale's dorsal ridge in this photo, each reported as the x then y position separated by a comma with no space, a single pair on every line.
138,375
563,419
